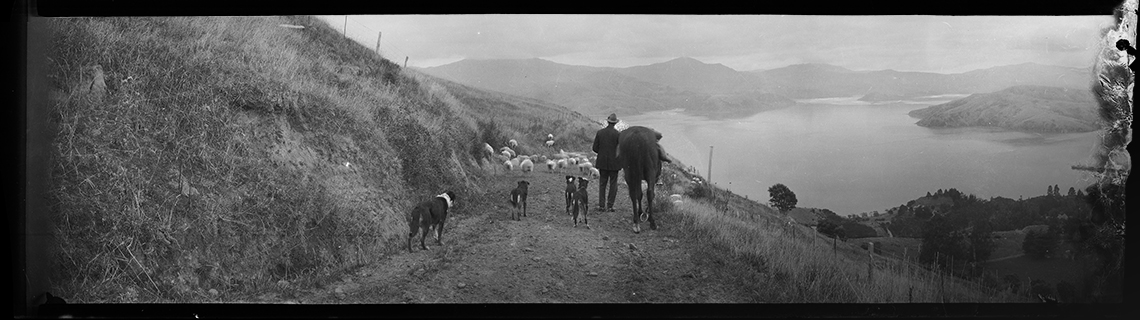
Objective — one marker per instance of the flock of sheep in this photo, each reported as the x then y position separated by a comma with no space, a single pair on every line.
560,161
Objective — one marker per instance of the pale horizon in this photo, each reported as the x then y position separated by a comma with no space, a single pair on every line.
937,44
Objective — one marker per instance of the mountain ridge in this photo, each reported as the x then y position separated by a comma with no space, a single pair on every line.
1026,108
718,91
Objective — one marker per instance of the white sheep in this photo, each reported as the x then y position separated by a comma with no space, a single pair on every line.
585,166
562,163
513,143
527,165
550,143
510,165
675,197
511,152
506,154
549,136
487,147
550,164
573,161
594,173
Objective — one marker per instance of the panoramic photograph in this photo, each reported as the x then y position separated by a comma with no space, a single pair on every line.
744,159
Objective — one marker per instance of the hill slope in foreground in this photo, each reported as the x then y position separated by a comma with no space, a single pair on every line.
230,159
1025,108
230,153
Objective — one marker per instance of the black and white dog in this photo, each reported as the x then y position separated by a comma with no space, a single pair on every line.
582,202
428,215
571,188
518,199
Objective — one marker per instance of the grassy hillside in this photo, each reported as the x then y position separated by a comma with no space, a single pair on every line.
789,262
1027,108
197,157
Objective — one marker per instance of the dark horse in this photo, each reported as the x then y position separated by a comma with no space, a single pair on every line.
641,158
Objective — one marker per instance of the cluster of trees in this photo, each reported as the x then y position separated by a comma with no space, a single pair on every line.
956,232
949,246
832,225
1055,191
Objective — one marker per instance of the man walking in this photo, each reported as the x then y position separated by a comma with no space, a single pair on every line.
605,145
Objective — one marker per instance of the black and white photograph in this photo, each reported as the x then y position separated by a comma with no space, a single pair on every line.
576,159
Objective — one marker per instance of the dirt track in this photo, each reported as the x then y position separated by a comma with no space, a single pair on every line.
488,258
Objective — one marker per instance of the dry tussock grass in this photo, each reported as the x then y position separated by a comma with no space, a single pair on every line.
809,271
213,160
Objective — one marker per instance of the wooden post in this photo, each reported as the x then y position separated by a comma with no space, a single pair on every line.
834,247
346,26
870,259
405,62
942,286
709,178
378,34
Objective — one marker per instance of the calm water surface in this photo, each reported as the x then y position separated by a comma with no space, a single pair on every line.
852,157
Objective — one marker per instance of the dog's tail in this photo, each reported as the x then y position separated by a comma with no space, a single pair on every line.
514,201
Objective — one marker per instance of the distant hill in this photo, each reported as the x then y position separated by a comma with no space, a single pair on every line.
1025,108
717,91
693,75
806,81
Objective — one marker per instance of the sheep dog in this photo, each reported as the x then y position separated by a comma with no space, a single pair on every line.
571,188
428,215
582,202
518,199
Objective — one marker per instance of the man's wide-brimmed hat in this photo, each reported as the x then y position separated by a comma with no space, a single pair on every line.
613,118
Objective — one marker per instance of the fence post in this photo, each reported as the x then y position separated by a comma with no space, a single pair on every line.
942,286
870,259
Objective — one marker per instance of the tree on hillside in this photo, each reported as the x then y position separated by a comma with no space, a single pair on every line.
829,228
981,241
1072,191
939,242
923,212
1049,193
782,197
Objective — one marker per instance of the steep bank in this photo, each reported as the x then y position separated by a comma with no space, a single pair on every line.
226,155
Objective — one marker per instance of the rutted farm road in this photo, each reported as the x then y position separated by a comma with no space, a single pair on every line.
488,258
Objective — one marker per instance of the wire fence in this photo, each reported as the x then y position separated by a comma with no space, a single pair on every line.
355,29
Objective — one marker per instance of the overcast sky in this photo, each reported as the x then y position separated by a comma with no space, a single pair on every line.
942,44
